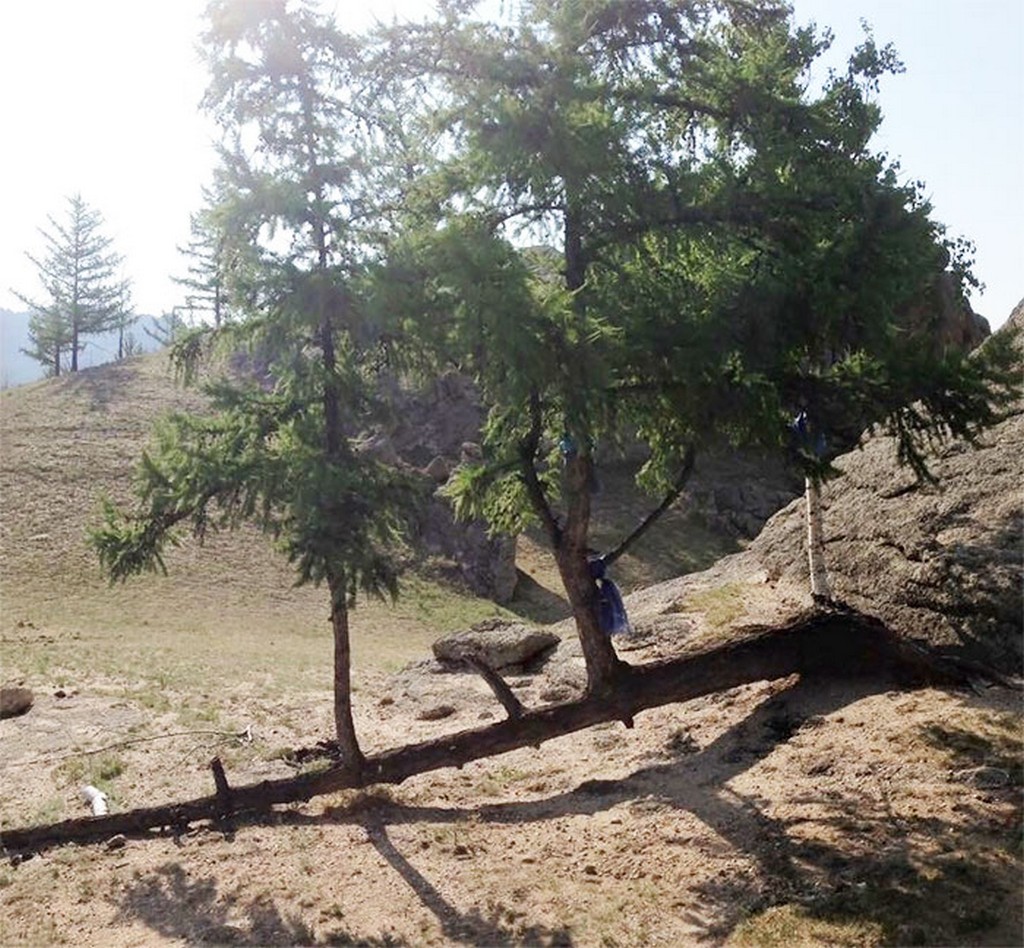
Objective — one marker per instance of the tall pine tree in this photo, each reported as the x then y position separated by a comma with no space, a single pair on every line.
644,225
283,450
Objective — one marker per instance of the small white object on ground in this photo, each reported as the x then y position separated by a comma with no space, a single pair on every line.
97,799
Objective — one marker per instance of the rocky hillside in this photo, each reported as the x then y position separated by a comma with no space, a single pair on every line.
941,563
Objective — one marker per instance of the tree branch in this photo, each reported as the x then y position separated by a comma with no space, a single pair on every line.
689,457
527,464
502,692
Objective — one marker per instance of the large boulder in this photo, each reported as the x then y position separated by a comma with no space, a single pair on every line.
941,563
498,643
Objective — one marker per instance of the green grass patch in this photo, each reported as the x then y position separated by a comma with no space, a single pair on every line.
783,926
99,770
720,606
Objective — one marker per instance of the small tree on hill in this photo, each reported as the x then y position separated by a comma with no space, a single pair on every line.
48,336
125,318
82,294
206,253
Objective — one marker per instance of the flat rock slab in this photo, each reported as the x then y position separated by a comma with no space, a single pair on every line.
498,643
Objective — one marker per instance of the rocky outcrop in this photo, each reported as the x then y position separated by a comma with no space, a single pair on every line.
434,429
737,491
946,317
485,563
941,563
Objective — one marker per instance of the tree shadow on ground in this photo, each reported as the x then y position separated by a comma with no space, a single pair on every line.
175,905
471,927
909,879
102,385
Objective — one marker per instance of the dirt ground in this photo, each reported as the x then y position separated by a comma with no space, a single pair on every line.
779,813
782,813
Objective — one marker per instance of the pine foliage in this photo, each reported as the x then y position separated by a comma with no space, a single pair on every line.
82,294
279,240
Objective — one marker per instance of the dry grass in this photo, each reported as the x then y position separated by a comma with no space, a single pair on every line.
65,442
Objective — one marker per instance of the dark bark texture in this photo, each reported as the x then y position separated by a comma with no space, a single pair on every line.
829,643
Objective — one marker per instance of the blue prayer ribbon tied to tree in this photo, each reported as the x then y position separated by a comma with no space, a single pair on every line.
807,438
610,608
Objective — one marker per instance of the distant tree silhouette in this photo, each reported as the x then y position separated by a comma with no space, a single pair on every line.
81,295
208,253
127,344
168,328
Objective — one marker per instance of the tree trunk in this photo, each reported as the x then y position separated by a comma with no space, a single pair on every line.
820,589
344,726
572,557
74,329
822,643
572,550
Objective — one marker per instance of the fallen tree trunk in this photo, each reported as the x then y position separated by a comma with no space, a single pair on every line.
842,643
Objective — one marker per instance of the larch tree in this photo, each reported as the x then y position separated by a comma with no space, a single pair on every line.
206,253
82,293
282,448
624,221
641,224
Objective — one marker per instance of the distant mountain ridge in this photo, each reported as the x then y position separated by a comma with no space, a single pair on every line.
16,368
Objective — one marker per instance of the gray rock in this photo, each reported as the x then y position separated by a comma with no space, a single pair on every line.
984,778
435,712
15,701
498,643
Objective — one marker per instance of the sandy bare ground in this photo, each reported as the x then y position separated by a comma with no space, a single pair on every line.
780,812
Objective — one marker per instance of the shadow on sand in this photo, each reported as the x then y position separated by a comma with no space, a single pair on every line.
912,895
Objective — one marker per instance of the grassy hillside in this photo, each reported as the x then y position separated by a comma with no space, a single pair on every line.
66,442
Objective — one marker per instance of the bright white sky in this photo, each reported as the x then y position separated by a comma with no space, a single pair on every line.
100,97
